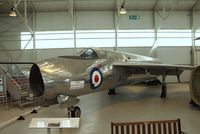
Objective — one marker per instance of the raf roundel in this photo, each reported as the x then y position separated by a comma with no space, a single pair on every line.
95,78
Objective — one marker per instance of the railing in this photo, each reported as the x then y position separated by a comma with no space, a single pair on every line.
9,75
18,84
147,127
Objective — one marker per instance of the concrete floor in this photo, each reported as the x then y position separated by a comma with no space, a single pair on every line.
132,103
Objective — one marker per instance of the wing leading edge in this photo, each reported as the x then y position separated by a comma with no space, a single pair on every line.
152,68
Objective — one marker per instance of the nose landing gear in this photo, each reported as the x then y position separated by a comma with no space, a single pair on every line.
74,111
164,87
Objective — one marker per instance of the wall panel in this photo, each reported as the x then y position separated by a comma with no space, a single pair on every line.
96,20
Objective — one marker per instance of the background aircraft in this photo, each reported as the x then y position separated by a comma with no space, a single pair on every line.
62,79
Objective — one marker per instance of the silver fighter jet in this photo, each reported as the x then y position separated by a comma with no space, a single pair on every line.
62,79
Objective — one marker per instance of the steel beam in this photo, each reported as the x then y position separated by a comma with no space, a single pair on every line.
193,51
196,4
116,30
25,22
7,53
154,46
117,20
116,25
32,6
155,5
34,39
15,4
164,18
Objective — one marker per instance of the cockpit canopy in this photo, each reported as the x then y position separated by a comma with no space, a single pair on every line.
88,54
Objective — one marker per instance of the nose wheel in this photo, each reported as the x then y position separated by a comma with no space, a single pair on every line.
74,111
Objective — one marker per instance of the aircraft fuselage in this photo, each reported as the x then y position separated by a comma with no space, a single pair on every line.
76,75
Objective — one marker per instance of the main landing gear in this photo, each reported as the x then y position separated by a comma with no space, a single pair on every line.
112,91
154,82
74,111
193,103
164,87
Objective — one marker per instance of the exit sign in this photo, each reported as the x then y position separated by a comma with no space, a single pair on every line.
134,17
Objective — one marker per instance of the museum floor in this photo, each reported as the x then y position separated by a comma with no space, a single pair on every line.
132,103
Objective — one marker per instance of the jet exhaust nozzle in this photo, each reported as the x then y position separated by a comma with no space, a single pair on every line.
195,86
36,81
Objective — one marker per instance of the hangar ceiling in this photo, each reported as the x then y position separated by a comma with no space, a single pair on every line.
99,5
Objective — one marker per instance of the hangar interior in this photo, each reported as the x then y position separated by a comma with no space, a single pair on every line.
43,29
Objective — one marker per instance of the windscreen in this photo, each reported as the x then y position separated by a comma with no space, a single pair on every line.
89,54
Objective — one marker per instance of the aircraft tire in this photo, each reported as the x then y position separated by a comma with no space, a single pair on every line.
193,103
164,91
76,112
112,91
154,82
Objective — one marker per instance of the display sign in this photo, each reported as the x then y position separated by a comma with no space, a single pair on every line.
77,85
134,17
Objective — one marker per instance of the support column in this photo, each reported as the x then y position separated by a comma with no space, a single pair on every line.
71,6
193,51
116,31
25,18
117,19
164,15
34,39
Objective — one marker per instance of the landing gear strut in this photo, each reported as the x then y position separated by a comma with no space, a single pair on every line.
164,87
193,103
164,91
74,111
112,91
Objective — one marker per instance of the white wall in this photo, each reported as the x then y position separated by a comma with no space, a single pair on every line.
96,20
53,21
176,20
145,21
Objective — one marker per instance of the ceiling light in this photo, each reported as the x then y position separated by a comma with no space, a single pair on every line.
12,12
123,11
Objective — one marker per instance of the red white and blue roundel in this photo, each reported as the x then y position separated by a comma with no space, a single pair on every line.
95,78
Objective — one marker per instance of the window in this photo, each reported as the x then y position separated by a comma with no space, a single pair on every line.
95,38
197,35
26,40
48,39
174,38
106,38
135,38
54,39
